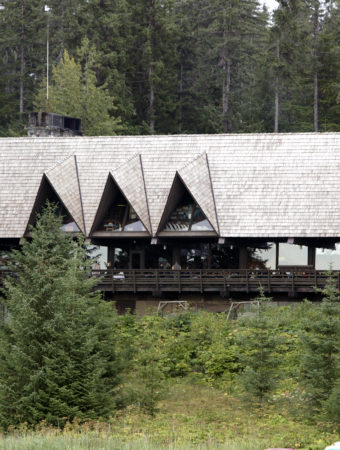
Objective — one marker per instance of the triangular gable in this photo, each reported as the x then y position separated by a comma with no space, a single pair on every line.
196,177
182,213
46,193
64,179
130,179
108,217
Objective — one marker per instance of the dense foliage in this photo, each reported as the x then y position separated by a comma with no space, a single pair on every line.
65,354
189,66
58,355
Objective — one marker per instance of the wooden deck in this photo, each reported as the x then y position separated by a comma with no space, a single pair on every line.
220,281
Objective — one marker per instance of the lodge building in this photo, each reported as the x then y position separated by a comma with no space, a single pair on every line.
233,211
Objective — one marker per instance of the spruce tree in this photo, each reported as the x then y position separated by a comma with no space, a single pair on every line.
320,348
257,351
57,352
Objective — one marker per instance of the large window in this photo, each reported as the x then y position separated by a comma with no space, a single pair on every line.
293,255
262,258
69,225
121,216
188,216
327,258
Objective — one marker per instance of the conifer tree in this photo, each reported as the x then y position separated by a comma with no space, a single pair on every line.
57,345
74,92
257,346
320,348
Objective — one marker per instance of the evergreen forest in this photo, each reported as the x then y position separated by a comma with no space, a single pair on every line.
171,66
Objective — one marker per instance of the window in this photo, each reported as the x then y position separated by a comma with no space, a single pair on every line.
121,216
188,216
326,258
293,255
262,258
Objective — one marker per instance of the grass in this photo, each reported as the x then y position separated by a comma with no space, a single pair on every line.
193,416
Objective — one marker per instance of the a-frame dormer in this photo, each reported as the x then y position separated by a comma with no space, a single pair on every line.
182,213
115,214
46,193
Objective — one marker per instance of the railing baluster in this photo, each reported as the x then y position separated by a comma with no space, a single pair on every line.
225,282
179,280
134,280
201,281
157,280
269,281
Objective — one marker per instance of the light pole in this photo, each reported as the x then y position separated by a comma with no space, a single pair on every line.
47,10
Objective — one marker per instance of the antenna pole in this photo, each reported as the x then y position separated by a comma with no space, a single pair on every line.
47,51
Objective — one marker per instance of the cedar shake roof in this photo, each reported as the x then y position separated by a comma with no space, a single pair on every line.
196,176
248,185
130,179
64,179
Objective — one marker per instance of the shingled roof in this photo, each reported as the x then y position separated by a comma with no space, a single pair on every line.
248,185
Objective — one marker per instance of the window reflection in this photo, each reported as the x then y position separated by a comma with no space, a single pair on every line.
195,257
188,216
326,258
133,223
68,223
262,258
180,218
121,216
199,221
121,259
70,227
293,255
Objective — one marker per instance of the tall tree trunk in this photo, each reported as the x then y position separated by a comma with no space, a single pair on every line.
151,100
225,92
315,54
180,108
277,82
151,111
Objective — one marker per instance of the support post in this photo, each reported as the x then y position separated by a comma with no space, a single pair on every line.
311,256
243,257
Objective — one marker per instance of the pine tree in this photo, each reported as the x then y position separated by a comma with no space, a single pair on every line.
258,357
57,352
320,347
112,36
329,72
22,47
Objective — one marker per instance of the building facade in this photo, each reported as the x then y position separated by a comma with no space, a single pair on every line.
203,202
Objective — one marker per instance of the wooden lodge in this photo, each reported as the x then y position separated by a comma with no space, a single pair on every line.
190,216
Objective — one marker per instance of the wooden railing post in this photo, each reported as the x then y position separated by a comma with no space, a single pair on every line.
201,281
225,282
269,281
157,281
247,281
179,280
134,280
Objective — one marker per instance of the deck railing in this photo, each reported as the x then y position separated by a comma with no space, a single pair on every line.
223,281
211,280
